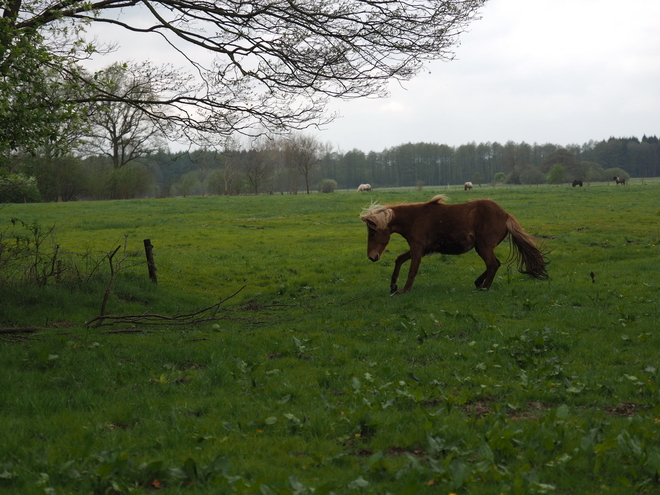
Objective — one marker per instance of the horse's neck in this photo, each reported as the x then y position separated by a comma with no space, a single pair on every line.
403,218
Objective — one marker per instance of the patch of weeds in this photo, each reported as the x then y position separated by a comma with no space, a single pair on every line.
302,349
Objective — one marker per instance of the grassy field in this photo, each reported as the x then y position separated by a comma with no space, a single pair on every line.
310,378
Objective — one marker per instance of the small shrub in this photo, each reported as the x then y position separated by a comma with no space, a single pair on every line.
327,186
557,174
59,179
25,257
127,182
186,186
18,188
499,178
595,173
29,255
532,175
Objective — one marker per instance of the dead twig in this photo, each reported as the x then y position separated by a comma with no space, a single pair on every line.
5,331
136,330
108,289
16,339
203,315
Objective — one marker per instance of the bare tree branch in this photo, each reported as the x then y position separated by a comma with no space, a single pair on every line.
277,62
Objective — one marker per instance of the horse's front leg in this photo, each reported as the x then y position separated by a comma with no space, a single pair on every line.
415,260
400,260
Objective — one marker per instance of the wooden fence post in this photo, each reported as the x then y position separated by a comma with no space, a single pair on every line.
148,249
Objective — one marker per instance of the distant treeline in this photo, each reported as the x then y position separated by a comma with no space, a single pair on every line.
521,163
278,169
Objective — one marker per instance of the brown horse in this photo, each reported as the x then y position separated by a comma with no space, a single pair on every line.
619,180
577,182
434,227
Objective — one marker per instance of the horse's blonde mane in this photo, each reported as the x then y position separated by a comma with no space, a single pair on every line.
377,215
440,198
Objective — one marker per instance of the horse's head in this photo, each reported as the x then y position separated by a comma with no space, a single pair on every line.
377,219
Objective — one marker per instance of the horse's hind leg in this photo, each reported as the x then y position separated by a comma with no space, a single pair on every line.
485,280
401,259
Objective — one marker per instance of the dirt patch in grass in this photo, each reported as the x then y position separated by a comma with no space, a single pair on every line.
626,409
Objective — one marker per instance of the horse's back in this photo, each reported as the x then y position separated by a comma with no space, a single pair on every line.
469,212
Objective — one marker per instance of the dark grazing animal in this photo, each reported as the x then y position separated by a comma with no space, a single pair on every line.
434,227
577,182
619,180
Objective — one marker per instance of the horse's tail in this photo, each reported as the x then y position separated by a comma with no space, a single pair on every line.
529,259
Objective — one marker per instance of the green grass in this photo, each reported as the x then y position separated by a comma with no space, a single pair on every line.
313,377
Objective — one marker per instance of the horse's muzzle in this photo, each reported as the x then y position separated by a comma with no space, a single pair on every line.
374,257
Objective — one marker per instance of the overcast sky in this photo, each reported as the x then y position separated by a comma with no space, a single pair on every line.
539,71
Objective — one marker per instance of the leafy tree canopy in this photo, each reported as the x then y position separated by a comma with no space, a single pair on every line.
34,105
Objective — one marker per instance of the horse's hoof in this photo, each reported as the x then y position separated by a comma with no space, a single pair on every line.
393,289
